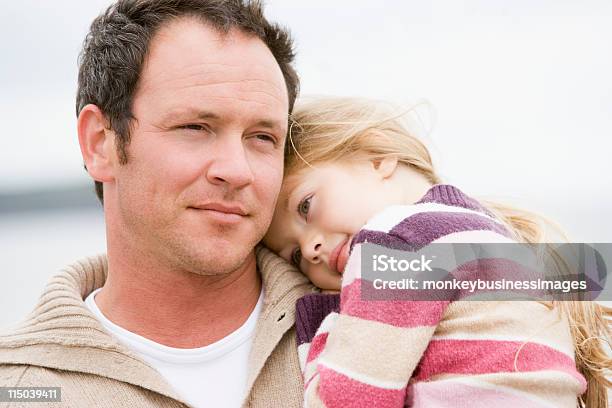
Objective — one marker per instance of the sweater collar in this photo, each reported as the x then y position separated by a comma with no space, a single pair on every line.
61,332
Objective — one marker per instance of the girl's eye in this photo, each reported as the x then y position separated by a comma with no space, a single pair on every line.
296,257
304,206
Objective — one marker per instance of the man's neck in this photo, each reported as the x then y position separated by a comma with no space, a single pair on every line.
178,308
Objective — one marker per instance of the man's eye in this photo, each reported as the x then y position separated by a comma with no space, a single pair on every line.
266,138
296,257
193,126
304,206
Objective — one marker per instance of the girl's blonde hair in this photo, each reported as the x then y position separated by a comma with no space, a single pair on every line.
340,129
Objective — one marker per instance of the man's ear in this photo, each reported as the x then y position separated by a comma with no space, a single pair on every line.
386,166
97,143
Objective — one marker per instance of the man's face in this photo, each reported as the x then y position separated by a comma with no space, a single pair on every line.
205,160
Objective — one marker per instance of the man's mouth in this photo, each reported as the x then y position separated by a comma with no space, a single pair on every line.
222,212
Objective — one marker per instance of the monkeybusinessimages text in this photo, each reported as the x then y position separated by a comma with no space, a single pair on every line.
385,263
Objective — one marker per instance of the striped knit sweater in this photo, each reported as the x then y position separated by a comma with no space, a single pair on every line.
433,353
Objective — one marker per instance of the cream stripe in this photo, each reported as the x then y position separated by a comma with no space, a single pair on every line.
375,350
506,321
327,323
302,355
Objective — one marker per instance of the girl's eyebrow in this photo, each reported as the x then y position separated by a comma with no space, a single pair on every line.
286,198
286,203
289,188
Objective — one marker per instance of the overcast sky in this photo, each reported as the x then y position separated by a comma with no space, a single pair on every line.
520,91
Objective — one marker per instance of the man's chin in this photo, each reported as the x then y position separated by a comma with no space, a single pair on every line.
221,259
205,250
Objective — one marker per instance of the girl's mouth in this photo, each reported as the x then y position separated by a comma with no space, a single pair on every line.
339,256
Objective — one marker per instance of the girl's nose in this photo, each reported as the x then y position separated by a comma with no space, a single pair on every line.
312,250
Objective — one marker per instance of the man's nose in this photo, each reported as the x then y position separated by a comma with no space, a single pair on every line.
230,165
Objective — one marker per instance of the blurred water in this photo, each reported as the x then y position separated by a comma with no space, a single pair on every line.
34,246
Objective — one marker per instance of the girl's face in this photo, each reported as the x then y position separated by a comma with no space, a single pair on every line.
320,209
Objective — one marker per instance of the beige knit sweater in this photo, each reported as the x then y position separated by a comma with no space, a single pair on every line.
61,344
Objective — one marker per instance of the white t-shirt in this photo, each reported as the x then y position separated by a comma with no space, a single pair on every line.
211,376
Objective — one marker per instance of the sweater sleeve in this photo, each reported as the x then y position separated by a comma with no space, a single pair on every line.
366,354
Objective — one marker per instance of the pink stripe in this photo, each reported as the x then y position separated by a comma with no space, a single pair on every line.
449,394
317,346
400,313
354,393
491,356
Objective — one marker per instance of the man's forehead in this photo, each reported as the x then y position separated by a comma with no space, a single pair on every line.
190,63
191,46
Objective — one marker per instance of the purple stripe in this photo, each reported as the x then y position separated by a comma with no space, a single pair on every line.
310,312
423,228
451,195
419,230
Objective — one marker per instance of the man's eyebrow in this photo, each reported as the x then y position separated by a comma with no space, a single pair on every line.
207,115
185,114
270,124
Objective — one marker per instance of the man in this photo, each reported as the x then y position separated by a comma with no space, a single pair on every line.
182,114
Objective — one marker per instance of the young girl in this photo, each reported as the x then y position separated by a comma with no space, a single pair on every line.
354,174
